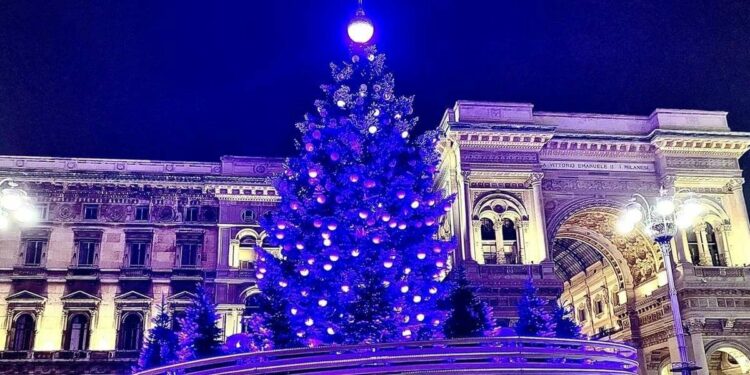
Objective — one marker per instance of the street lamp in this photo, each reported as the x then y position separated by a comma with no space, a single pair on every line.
15,205
660,221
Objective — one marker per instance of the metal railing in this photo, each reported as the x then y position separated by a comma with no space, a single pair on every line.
531,355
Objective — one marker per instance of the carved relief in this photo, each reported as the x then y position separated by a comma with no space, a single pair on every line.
164,213
66,212
602,185
701,163
114,213
500,157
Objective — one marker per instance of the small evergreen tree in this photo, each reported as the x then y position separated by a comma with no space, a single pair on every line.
271,321
161,344
534,318
565,326
468,315
200,337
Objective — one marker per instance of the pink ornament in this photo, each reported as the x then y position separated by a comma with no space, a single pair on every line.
320,199
386,218
369,184
328,266
353,178
376,240
363,214
316,134
335,156
421,255
317,223
401,194
388,264
332,226
309,147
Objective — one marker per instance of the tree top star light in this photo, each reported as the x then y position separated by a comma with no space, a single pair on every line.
360,28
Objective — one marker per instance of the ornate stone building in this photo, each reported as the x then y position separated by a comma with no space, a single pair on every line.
537,195
117,237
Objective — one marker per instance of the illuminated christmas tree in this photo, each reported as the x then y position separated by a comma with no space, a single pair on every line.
160,347
534,318
199,336
358,219
468,315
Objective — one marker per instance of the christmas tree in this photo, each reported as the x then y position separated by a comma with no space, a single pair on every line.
469,316
270,327
161,344
199,337
358,217
565,326
534,318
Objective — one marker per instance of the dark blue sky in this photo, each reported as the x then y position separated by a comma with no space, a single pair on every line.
195,80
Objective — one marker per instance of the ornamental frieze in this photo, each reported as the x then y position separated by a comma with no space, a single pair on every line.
599,185
701,163
499,157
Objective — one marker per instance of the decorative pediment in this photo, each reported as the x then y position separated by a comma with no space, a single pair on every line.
25,296
180,297
80,295
132,296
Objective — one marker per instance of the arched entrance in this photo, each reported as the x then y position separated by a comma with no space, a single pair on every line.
728,358
600,269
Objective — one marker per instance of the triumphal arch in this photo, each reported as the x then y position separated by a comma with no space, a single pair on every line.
539,194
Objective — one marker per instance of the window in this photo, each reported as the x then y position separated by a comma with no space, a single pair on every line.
77,332
487,230
189,255
87,255
141,213
248,216
581,315
191,214
509,230
713,247
598,307
138,254
34,252
692,242
131,329
42,211
23,333
90,211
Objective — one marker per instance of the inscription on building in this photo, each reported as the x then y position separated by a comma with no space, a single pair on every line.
598,166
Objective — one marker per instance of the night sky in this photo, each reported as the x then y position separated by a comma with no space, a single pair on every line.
189,80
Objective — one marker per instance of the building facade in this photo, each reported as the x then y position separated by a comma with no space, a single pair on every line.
537,195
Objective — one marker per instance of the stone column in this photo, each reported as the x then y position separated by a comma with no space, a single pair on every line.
468,235
703,245
723,232
521,227
542,249
738,216
680,246
476,245
499,241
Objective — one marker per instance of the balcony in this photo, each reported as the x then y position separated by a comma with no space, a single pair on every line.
32,271
241,273
84,271
135,273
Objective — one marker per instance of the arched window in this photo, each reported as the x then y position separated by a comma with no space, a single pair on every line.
131,330
712,246
509,230
23,333
77,332
693,248
247,251
487,229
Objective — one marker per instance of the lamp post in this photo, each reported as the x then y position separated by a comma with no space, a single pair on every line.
660,221
15,204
